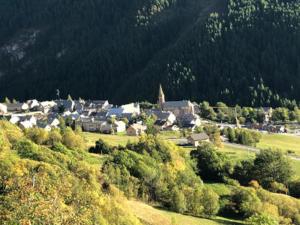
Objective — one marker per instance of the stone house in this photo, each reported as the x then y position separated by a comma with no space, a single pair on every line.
196,139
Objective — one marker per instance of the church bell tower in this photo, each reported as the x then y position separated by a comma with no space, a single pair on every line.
161,97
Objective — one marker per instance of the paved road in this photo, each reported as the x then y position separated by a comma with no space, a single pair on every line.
253,149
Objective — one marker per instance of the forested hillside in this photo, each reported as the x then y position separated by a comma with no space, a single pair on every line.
243,51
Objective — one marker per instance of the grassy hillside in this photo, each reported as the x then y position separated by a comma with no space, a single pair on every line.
157,216
54,184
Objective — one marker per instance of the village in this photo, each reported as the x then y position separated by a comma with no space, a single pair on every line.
103,117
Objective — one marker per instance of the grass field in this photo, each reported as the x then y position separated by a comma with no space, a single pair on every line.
236,153
280,141
155,216
113,140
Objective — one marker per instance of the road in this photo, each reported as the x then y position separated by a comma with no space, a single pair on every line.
253,149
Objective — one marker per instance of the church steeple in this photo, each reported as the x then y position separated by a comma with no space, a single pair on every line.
161,97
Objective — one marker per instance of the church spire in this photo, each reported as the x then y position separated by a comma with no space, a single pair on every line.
161,97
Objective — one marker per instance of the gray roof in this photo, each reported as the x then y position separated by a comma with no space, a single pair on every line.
177,104
161,115
199,137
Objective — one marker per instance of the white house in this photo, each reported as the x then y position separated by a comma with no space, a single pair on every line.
3,109
28,123
136,130
14,119
116,127
127,111
33,104
46,106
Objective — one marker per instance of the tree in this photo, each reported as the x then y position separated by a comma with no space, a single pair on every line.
280,114
211,164
101,147
7,101
210,202
245,202
207,111
272,166
178,201
150,123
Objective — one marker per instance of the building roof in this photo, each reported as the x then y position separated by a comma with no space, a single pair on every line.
177,104
199,137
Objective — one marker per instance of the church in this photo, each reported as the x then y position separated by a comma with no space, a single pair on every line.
179,108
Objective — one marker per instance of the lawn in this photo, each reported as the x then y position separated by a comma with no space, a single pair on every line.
236,154
156,216
280,141
114,140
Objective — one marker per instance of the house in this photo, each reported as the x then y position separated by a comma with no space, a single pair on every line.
17,107
189,120
14,119
125,111
179,108
268,112
98,105
48,124
101,115
79,105
89,124
33,104
195,139
47,106
72,115
164,119
3,109
136,130
114,127
65,105
26,122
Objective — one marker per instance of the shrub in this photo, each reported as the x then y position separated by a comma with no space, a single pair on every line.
245,202
54,137
294,189
262,219
101,147
178,201
37,135
210,202
72,140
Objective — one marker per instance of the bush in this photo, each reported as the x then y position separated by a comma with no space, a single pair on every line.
101,147
37,135
178,201
210,202
294,189
245,202
54,137
72,140
262,219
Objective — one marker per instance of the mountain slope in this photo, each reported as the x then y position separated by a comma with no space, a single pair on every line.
246,53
